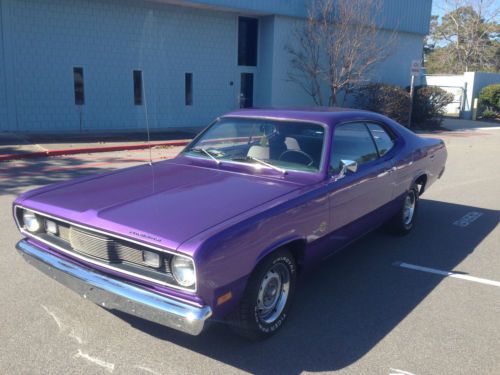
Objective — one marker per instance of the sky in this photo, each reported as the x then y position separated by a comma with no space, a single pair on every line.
439,6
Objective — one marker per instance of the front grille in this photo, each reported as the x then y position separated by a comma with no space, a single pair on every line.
92,244
121,254
105,248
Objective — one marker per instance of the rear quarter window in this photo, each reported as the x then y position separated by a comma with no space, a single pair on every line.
383,140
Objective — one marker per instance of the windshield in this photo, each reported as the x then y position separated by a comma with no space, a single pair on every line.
281,145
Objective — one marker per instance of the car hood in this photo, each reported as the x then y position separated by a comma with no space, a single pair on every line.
164,204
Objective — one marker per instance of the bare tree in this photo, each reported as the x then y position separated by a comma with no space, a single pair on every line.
338,46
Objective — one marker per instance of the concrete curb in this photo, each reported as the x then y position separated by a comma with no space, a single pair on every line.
89,150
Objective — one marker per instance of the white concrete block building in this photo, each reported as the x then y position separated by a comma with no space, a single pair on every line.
98,65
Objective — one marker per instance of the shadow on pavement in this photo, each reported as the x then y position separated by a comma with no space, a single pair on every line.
352,301
13,139
16,178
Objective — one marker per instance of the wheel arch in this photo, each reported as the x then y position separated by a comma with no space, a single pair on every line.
421,181
296,246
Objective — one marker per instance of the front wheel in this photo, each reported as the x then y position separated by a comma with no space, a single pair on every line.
403,222
265,304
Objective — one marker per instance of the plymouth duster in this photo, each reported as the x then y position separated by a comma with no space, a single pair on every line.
223,230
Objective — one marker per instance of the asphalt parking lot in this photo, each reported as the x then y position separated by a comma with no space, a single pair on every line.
385,305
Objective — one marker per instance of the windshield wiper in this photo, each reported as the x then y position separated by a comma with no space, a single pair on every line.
282,171
206,152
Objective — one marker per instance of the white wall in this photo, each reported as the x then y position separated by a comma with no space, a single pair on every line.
394,70
109,39
3,88
45,39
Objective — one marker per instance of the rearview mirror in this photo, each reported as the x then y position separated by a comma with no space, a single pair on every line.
346,166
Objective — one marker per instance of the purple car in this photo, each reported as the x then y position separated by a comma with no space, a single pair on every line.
223,230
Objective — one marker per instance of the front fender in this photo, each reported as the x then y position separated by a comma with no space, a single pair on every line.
226,259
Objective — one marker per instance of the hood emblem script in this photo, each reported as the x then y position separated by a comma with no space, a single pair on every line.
144,235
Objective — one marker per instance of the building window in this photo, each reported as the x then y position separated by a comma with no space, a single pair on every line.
246,90
79,89
188,88
138,87
248,30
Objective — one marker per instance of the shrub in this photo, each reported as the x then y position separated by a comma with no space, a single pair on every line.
488,114
429,105
489,98
389,100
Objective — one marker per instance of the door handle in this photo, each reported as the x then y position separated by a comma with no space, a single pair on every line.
387,172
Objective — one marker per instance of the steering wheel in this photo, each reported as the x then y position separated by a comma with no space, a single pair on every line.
296,156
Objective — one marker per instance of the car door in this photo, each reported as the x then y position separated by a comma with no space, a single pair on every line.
355,199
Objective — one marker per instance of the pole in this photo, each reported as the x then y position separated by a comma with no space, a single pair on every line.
474,109
412,89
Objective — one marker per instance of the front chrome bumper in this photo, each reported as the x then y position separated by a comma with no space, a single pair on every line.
118,295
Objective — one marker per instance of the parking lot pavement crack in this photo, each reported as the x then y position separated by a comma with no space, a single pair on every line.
54,316
108,366
63,327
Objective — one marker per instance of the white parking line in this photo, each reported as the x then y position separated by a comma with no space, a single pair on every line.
490,128
467,219
395,371
447,274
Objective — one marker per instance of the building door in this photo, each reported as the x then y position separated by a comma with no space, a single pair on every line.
246,90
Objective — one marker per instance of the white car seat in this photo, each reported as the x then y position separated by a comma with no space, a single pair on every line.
259,152
292,144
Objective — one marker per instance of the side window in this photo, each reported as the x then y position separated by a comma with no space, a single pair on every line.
383,139
352,142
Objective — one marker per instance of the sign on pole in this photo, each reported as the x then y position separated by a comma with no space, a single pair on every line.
416,65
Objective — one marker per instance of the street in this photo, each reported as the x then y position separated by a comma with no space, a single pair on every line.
385,305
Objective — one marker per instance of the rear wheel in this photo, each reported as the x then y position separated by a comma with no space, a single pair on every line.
265,304
403,222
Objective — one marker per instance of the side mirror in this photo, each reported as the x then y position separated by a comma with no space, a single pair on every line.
347,166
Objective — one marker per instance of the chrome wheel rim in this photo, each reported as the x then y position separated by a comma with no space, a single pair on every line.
409,208
273,293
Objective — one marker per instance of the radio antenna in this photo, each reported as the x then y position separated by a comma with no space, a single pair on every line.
147,119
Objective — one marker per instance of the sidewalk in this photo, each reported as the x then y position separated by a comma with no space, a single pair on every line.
459,124
20,146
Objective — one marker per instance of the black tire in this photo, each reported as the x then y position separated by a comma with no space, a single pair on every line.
247,320
399,224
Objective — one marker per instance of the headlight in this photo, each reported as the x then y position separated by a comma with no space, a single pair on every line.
31,222
183,271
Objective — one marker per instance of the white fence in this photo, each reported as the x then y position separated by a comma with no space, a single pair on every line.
465,88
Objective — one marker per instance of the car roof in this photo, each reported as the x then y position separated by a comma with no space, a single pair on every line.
326,115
